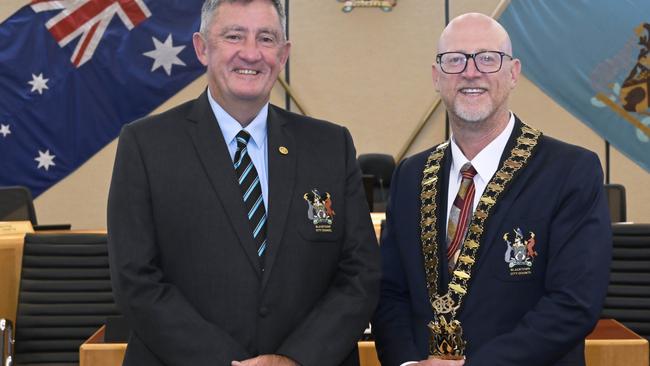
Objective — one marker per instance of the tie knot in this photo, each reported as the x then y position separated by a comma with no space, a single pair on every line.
468,171
242,139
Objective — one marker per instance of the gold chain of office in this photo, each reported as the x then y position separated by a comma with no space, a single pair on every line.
459,286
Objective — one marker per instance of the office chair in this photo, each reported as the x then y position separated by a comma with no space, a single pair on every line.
382,167
16,204
65,296
616,201
628,294
369,187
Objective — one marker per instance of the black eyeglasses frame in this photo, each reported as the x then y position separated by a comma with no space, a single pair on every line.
472,56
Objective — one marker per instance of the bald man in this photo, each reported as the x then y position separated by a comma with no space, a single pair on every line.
497,244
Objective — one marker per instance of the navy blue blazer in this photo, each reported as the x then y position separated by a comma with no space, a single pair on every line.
539,318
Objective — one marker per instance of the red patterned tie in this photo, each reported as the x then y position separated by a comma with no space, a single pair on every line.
460,214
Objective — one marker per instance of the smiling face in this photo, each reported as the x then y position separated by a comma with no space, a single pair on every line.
244,50
472,96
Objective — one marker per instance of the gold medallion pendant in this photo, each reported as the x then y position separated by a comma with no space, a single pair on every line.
447,337
447,340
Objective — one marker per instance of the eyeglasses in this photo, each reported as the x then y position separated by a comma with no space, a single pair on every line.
487,62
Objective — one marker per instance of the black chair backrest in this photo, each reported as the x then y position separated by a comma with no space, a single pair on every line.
16,204
65,296
628,294
379,165
368,186
617,202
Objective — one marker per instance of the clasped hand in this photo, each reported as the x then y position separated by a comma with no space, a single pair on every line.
266,360
438,362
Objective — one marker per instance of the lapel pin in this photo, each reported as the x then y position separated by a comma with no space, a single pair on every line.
283,150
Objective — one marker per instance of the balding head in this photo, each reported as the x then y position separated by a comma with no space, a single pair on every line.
476,96
477,31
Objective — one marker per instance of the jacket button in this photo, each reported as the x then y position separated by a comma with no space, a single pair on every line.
264,311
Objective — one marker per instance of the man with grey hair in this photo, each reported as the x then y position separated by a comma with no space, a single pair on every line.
497,245
238,232
211,6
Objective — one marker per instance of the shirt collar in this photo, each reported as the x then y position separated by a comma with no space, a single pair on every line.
487,160
230,127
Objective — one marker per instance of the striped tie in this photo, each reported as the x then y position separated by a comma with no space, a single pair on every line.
460,214
251,189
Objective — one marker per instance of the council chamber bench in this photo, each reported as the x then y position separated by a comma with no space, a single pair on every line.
610,344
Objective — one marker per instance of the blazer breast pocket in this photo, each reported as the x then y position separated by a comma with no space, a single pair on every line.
310,234
520,250
318,220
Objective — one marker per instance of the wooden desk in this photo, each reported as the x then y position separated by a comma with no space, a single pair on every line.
94,352
610,344
376,218
368,354
11,261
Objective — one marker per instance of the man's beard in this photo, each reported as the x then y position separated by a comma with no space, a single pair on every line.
473,113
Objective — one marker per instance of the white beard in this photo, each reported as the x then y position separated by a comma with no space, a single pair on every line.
472,113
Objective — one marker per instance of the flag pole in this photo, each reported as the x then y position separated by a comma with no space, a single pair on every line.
501,7
287,73
607,150
292,95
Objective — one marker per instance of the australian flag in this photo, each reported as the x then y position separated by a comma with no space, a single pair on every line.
72,72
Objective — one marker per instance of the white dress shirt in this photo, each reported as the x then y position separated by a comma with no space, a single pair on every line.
256,145
486,163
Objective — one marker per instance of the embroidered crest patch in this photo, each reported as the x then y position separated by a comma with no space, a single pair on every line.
520,252
319,210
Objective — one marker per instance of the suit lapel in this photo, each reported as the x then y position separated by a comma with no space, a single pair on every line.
282,172
213,153
508,196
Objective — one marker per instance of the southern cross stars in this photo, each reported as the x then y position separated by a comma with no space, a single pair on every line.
4,130
38,83
165,55
45,160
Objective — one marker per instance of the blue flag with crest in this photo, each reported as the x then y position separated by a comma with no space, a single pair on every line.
593,58
73,72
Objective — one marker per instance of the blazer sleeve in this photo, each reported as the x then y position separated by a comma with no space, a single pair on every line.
580,246
331,330
392,320
158,313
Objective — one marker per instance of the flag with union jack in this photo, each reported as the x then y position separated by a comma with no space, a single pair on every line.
72,72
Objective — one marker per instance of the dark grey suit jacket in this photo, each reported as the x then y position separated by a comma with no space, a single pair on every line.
183,262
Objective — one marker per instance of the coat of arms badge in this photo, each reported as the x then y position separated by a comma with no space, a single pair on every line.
319,210
520,252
